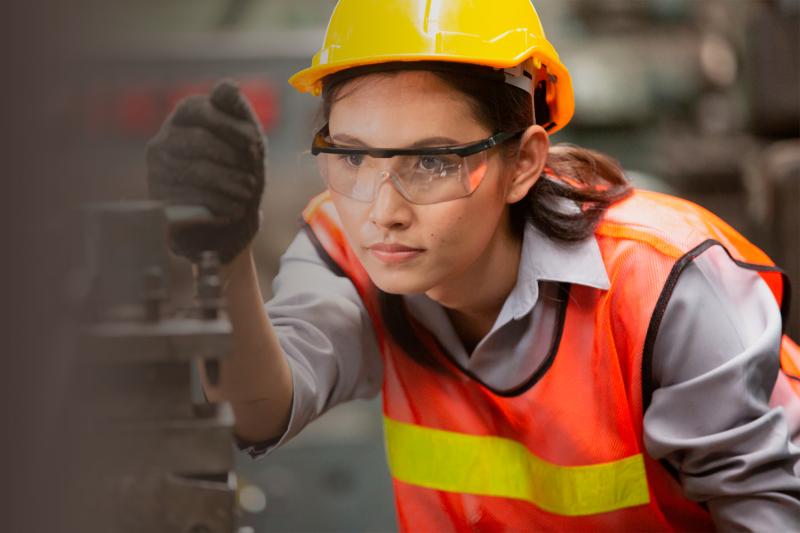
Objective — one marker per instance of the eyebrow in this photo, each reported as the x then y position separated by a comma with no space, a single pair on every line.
422,143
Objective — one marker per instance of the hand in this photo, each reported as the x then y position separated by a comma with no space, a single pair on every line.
210,152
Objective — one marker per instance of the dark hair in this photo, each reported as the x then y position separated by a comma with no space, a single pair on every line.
566,203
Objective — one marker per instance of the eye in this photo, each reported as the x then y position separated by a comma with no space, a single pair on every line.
353,160
430,164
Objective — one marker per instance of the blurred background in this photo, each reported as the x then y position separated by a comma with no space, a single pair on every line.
695,97
699,98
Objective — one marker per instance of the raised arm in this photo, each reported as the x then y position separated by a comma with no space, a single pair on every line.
309,348
255,378
211,153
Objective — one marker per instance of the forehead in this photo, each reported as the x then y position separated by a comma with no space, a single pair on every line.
401,107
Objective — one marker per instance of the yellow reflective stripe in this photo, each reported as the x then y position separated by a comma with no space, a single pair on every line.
495,466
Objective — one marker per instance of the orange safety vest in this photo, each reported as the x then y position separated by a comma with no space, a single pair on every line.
564,451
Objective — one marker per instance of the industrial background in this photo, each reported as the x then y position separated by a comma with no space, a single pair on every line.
700,98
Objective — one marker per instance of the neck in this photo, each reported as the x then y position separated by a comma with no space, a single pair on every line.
474,298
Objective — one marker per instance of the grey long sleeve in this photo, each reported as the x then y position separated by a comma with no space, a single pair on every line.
327,337
715,361
715,364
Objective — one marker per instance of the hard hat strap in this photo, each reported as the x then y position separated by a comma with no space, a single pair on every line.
519,77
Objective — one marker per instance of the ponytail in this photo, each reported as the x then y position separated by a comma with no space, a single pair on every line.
573,193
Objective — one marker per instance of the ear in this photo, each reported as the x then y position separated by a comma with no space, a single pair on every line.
530,163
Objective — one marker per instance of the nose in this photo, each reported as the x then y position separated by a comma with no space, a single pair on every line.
389,209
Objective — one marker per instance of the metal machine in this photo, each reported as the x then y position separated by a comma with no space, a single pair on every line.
163,461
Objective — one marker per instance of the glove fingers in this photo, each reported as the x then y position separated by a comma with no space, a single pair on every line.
227,97
211,152
179,161
219,204
203,174
197,111
201,143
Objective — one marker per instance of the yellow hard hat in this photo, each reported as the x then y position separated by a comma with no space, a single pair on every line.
504,34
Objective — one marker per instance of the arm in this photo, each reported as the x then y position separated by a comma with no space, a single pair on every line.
715,363
324,337
255,378
308,350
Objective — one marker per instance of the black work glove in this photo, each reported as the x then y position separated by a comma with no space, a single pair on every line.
210,152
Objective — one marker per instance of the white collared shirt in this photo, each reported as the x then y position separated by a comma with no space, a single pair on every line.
714,364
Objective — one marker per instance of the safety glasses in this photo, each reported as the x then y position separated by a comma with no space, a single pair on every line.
421,175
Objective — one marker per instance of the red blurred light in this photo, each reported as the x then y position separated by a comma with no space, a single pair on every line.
138,110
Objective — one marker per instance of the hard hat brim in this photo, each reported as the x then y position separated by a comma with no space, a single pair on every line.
309,80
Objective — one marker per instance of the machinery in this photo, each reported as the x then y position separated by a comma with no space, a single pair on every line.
161,461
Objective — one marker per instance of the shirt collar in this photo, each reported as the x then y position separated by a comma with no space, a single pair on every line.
541,259
546,259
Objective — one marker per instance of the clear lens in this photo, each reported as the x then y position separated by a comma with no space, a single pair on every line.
421,179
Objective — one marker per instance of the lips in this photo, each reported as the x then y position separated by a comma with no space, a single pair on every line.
393,254
393,248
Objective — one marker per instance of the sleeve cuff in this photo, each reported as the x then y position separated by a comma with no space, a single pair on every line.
259,450
255,449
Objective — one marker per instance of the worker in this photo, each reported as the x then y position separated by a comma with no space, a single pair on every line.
556,350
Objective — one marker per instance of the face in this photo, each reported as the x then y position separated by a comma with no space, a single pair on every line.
450,238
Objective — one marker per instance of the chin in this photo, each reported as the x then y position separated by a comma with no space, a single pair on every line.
398,282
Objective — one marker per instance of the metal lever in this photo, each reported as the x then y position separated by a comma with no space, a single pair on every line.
207,277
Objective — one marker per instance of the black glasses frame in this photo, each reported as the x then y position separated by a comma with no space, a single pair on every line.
321,145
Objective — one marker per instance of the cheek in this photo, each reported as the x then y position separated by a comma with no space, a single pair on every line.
350,213
457,237
445,231
470,222
347,215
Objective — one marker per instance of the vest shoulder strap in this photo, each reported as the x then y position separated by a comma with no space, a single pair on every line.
675,227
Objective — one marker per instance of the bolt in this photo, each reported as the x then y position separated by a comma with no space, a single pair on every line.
209,285
154,293
209,296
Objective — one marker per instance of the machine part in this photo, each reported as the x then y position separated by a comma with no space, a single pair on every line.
156,502
209,285
168,339
155,293
209,298
122,242
160,462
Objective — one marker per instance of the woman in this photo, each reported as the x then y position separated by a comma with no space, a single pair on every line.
555,350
